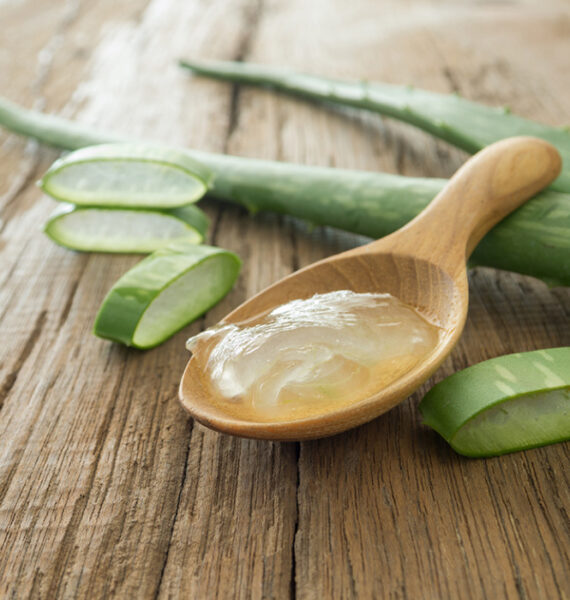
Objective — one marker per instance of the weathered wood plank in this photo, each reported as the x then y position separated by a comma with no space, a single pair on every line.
106,488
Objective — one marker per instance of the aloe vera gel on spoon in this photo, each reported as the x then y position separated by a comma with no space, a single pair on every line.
309,356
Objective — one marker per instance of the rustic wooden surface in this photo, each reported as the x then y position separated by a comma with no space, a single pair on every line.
107,489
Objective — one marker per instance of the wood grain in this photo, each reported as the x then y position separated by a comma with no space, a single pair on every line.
106,488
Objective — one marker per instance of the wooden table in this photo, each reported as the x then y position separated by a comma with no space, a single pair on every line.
107,488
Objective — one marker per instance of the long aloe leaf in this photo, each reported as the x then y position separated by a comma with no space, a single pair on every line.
535,240
465,124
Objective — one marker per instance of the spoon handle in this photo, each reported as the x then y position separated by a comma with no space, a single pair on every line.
489,186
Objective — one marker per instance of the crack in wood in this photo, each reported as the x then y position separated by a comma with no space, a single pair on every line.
216,225
70,297
295,260
67,543
253,13
22,180
450,76
446,69
16,457
31,340
175,513
532,480
114,532
293,581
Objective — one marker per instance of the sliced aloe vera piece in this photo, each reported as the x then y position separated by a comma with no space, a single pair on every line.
95,229
505,404
164,292
127,175
193,216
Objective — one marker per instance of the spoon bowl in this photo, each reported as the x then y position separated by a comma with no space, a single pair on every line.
423,264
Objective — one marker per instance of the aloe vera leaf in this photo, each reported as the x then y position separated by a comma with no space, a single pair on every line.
367,203
505,404
127,175
465,124
192,216
164,292
120,230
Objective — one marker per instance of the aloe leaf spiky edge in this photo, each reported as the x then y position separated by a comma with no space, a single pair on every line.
366,203
463,123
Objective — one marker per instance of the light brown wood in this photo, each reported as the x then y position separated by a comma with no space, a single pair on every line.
107,488
423,264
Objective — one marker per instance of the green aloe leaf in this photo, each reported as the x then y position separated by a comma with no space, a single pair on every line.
505,404
465,124
535,240
96,229
164,292
127,176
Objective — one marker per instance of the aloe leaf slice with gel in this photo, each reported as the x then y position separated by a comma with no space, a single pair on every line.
164,292
192,216
513,402
128,176
96,229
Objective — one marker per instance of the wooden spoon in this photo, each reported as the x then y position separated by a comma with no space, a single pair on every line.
423,264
